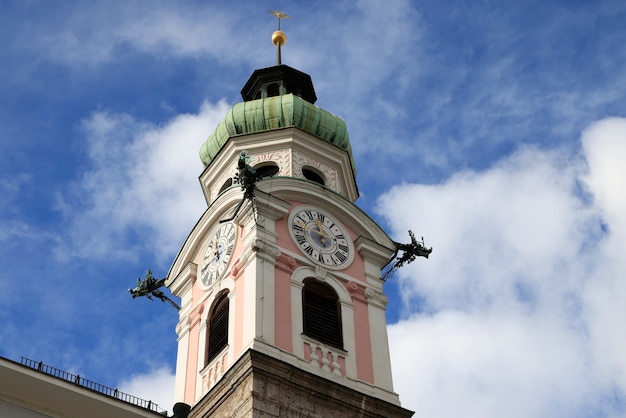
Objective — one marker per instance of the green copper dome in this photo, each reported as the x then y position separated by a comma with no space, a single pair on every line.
277,112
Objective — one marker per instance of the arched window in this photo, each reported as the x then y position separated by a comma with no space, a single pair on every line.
217,337
226,185
321,313
266,170
313,175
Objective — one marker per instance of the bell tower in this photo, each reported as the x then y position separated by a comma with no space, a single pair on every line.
282,304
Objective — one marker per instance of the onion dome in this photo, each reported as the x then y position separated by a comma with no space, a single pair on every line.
275,98
274,113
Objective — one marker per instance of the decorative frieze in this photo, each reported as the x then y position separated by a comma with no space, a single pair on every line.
300,160
281,158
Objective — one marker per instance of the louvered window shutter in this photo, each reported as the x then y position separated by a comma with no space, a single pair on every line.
322,313
218,328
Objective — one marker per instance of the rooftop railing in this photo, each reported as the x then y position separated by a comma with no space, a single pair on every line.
97,387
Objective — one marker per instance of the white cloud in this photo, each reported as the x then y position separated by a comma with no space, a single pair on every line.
102,31
156,386
492,365
604,144
519,310
142,181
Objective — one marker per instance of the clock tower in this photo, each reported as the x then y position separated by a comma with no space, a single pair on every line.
282,304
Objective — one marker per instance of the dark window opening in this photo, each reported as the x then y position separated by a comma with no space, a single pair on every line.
218,327
226,185
267,170
313,176
321,313
273,90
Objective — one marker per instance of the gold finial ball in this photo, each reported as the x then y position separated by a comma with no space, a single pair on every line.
279,38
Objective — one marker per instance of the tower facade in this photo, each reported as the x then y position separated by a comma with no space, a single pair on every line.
282,306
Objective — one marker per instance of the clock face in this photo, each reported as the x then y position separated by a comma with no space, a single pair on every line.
320,237
218,251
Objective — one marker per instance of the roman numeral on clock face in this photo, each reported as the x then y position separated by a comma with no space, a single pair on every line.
320,237
341,256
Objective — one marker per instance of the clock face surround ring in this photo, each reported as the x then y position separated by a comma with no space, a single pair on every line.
320,237
219,249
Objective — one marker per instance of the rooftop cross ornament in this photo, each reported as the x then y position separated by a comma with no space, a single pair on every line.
149,287
409,253
278,37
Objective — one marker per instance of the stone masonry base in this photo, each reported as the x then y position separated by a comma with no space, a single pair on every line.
260,386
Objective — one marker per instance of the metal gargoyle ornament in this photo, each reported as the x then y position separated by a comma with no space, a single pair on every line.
409,252
149,287
247,177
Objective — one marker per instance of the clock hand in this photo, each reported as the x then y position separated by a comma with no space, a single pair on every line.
219,250
310,228
321,231
305,226
213,245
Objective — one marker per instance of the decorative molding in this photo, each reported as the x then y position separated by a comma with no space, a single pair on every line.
237,269
182,328
305,271
286,263
376,297
357,292
330,173
184,281
196,315
321,272
260,246
281,158
270,207
373,252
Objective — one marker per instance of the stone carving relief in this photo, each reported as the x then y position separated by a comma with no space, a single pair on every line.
300,160
281,158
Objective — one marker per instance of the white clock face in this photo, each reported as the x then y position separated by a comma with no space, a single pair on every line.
219,249
321,238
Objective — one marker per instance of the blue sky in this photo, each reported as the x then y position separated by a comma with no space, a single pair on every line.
497,130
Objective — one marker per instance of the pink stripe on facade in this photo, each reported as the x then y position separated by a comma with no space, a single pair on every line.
363,342
192,361
282,313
